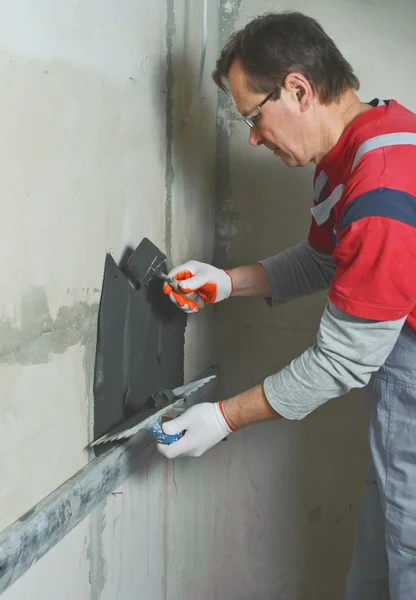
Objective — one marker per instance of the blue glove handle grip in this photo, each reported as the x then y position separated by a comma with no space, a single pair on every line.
155,429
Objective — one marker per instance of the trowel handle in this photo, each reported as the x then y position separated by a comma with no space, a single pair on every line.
174,283
155,429
192,296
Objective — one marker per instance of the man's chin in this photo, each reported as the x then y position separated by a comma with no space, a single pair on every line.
289,161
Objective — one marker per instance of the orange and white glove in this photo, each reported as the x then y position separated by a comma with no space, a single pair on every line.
204,425
210,283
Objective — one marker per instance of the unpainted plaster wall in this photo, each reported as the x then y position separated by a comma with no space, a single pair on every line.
95,156
292,490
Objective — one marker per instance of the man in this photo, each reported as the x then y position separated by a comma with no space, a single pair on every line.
296,92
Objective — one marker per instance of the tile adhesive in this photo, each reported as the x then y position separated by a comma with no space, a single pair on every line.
140,347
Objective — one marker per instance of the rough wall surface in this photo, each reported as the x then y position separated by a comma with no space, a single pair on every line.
96,155
292,490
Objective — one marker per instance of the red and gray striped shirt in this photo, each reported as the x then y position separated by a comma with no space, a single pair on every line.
365,214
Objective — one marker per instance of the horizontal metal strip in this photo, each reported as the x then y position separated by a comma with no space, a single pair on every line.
29,538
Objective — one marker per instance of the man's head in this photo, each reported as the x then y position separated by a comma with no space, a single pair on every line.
290,55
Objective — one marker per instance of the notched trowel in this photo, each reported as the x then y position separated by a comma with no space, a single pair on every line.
147,261
162,405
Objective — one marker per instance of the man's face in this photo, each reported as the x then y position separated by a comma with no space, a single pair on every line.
281,125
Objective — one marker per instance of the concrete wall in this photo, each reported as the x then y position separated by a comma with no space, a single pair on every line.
292,490
95,155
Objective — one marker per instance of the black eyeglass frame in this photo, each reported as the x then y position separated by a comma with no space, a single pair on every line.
249,118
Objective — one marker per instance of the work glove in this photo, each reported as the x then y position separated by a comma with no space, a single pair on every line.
204,425
210,283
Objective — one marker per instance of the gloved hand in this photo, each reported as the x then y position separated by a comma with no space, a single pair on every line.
204,426
212,284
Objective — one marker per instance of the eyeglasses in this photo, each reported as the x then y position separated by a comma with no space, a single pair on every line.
256,111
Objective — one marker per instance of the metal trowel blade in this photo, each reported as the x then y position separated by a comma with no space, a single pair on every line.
138,422
142,419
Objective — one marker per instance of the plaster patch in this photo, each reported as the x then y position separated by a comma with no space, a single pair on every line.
39,335
231,7
95,553
227,116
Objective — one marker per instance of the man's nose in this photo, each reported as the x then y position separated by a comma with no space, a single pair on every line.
255,138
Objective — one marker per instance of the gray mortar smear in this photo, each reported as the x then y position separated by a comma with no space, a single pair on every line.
169,173
227,213
95,553
39,335
140,347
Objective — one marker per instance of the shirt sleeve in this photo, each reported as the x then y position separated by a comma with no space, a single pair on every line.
348,350
298,271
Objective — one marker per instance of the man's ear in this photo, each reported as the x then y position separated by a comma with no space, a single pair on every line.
300,88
